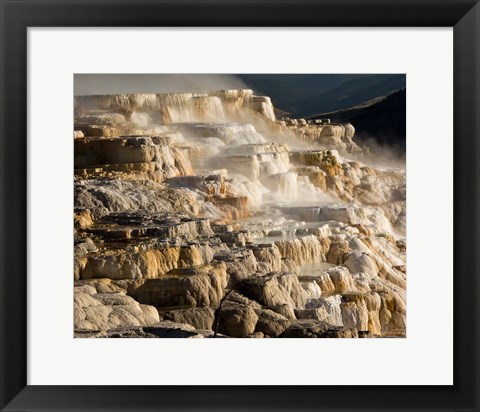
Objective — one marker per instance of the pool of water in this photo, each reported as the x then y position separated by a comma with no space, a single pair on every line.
314,269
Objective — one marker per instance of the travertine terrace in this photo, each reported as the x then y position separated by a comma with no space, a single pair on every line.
202,214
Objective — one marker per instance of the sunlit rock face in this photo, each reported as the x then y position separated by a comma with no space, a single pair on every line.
201,215
103,311
177,107
194,287
149,155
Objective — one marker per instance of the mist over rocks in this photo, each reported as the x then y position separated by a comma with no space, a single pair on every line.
202,214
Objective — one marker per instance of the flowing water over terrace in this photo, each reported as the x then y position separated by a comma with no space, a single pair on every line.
259,169
188,195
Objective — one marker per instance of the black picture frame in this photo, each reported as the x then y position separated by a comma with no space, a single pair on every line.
18,15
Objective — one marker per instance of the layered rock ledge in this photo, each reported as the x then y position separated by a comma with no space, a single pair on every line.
202,215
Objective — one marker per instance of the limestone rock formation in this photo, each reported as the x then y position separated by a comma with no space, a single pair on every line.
202,215
100,312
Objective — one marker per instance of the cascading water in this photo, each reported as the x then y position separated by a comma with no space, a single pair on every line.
175,107
278,205
141,119
206,137
286,184
194,109
232,134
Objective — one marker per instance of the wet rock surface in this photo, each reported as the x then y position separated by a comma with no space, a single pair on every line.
203,215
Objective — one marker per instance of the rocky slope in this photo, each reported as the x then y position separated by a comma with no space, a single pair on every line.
203,215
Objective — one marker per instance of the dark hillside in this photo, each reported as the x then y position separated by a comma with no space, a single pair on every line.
385,121
303,95
352,93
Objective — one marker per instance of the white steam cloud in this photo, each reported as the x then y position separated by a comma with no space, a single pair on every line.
107,83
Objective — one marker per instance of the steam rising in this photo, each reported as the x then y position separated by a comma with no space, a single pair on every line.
189,185
106,83
224,129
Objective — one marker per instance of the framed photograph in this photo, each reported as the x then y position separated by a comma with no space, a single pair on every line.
244,178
